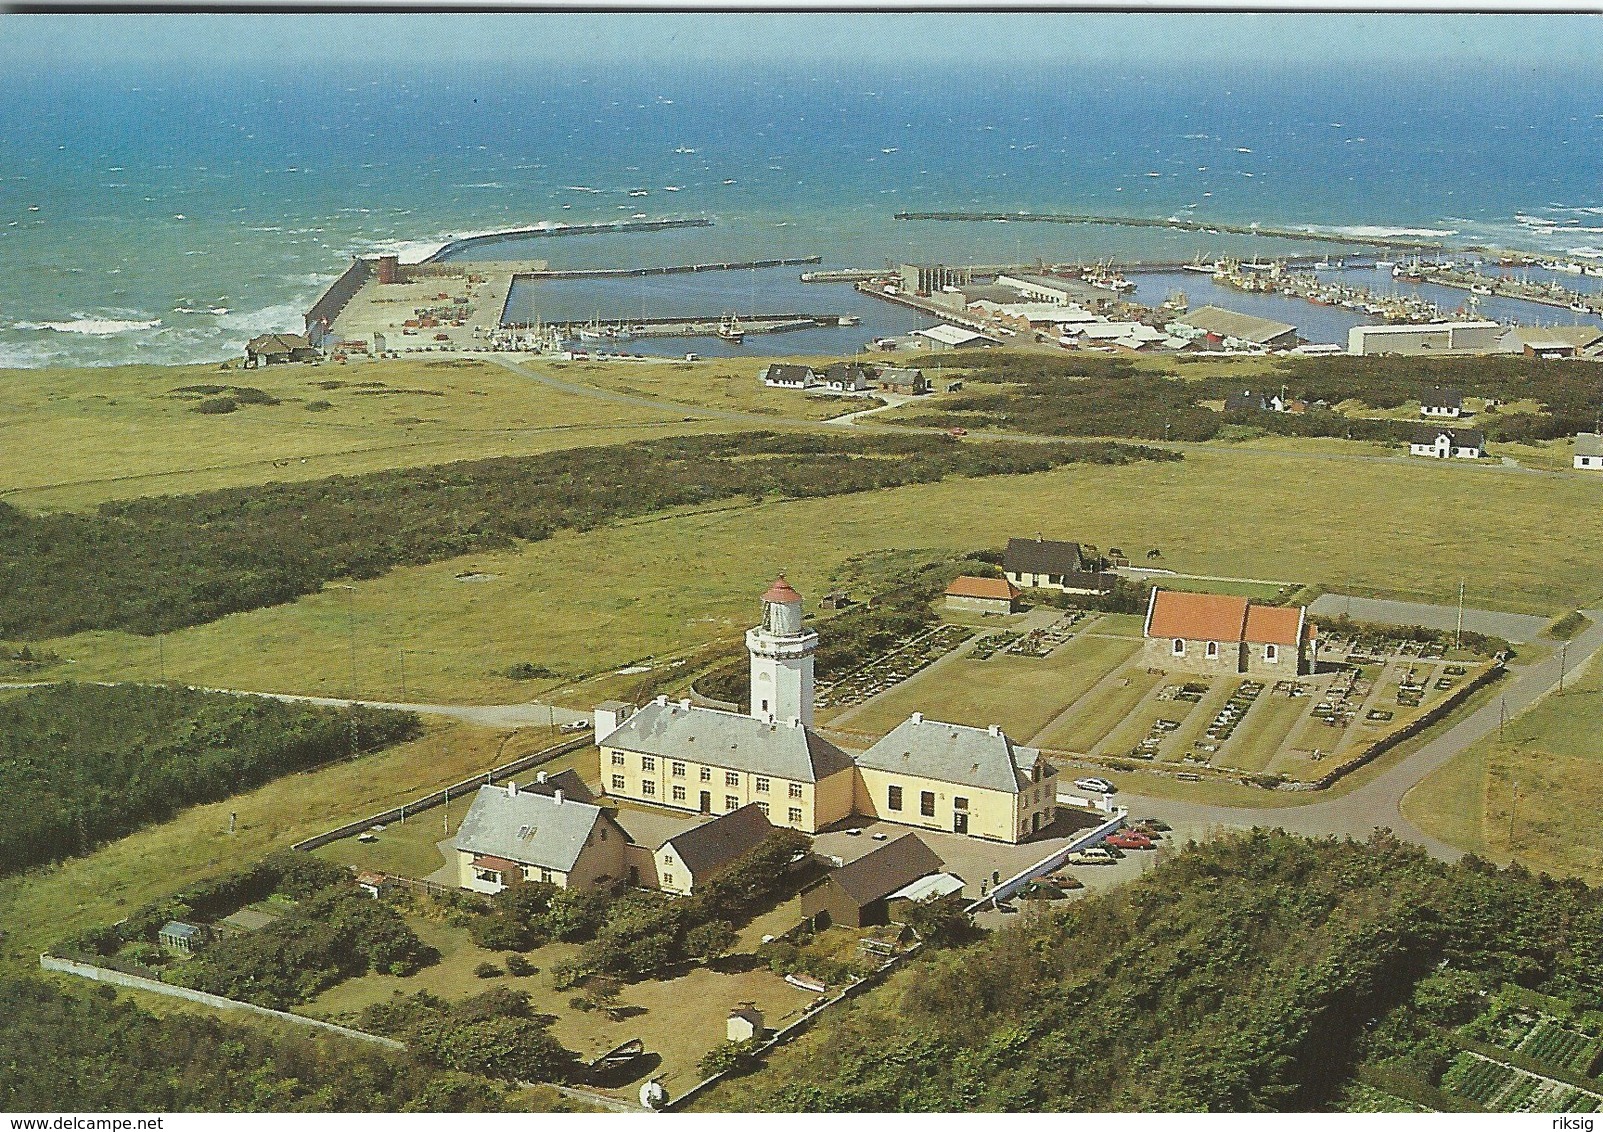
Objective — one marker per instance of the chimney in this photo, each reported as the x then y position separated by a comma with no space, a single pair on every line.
557,797
685,703
918,717
662,701
794,721
540,778
512,789
995,730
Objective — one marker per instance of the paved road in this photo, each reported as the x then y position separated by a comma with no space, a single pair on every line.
1515,627
1377,803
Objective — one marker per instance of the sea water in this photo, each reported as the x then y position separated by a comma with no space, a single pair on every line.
167,217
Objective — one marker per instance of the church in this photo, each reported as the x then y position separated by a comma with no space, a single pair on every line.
925,774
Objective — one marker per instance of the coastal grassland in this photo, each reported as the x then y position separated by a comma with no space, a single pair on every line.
660,585
728,384
72,438
153,565
44,904
1552,753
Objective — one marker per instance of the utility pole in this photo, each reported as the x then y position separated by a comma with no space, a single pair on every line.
1563,662
403,675
448,811
350,629
1502,714
1458,635
161,657
1512,810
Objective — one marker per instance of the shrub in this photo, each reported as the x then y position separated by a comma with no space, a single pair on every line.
488,970
519,966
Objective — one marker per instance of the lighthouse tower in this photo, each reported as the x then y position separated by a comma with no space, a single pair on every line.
782,659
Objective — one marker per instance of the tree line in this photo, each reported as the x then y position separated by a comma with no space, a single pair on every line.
82,763
156,564
1259,972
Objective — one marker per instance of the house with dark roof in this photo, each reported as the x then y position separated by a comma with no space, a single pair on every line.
512,835
845,377
902,379
857,894
673,753
696,856
1448,443
273,349
949,776
782,375
1038,563
1223,634
1442,403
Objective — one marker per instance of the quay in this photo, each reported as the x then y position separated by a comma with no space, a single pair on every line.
676,269
543,231
1211,227
696,326
1548,294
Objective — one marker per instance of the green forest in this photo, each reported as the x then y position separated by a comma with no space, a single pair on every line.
157,564
81,764
1103,396
66,1050
1260,972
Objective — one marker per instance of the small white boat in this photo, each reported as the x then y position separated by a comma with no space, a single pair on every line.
1480,289
1580,308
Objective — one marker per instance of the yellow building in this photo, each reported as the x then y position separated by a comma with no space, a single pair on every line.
510,836
947,776
714,762
686,862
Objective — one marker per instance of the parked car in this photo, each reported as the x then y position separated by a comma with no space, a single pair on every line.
1096,855
1095,785
576,725
1129,840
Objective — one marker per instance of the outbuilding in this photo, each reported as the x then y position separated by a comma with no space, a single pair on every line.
181,938
1589,451
982,595
857,895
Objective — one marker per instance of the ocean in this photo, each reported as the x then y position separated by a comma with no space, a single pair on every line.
162,218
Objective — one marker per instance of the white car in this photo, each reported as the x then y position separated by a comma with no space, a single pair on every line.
576,725
1096,785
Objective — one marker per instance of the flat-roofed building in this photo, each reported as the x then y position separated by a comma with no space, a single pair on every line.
949,776
1582,339
1431,338
1062,292
948,337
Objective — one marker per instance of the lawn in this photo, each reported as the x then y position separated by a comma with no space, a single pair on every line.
118,432
1262,731
1551,752
1102,712
41,906
1023,694
664,584
1258,591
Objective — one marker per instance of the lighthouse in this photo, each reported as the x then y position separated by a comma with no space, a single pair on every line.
782,659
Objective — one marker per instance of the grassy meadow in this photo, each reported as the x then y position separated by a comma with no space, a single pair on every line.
726,384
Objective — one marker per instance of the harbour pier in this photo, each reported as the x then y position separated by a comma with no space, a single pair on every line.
546,231
1212,227
675,269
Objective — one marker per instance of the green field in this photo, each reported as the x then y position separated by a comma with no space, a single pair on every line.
1552,753
1023,694
725,384
1101,712
1261,732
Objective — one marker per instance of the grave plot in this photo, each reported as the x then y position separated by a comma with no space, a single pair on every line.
892,667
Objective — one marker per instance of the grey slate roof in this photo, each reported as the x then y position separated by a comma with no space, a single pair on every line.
1041,556
953,752
1588,444
1246,399
784,371
567,781
1459,437
529,828
1442,399
893,865
709,848
737,742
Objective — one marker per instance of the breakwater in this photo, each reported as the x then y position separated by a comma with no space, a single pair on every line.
1211,227
321,317
544,231
675,269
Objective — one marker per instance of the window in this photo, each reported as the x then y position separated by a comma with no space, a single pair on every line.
603,833
959,803
1179,647
795,814
545,876
617,758
795,790
487,874
762,786
678,770
648,787
1271,653
731,802
617,782
678,793
667,878
647,763
731,778
893,797
926,803
1213,649
763,806
706,774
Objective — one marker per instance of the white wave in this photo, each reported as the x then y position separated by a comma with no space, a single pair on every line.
100,327
483,185
281,317
1381,231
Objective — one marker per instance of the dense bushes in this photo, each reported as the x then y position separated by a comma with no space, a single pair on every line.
81,763
152,565
1257,972
88,1053
494,1034
337,934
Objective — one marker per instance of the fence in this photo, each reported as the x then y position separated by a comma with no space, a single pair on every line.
440,797
137,982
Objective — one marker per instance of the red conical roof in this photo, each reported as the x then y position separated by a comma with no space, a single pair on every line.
781,592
